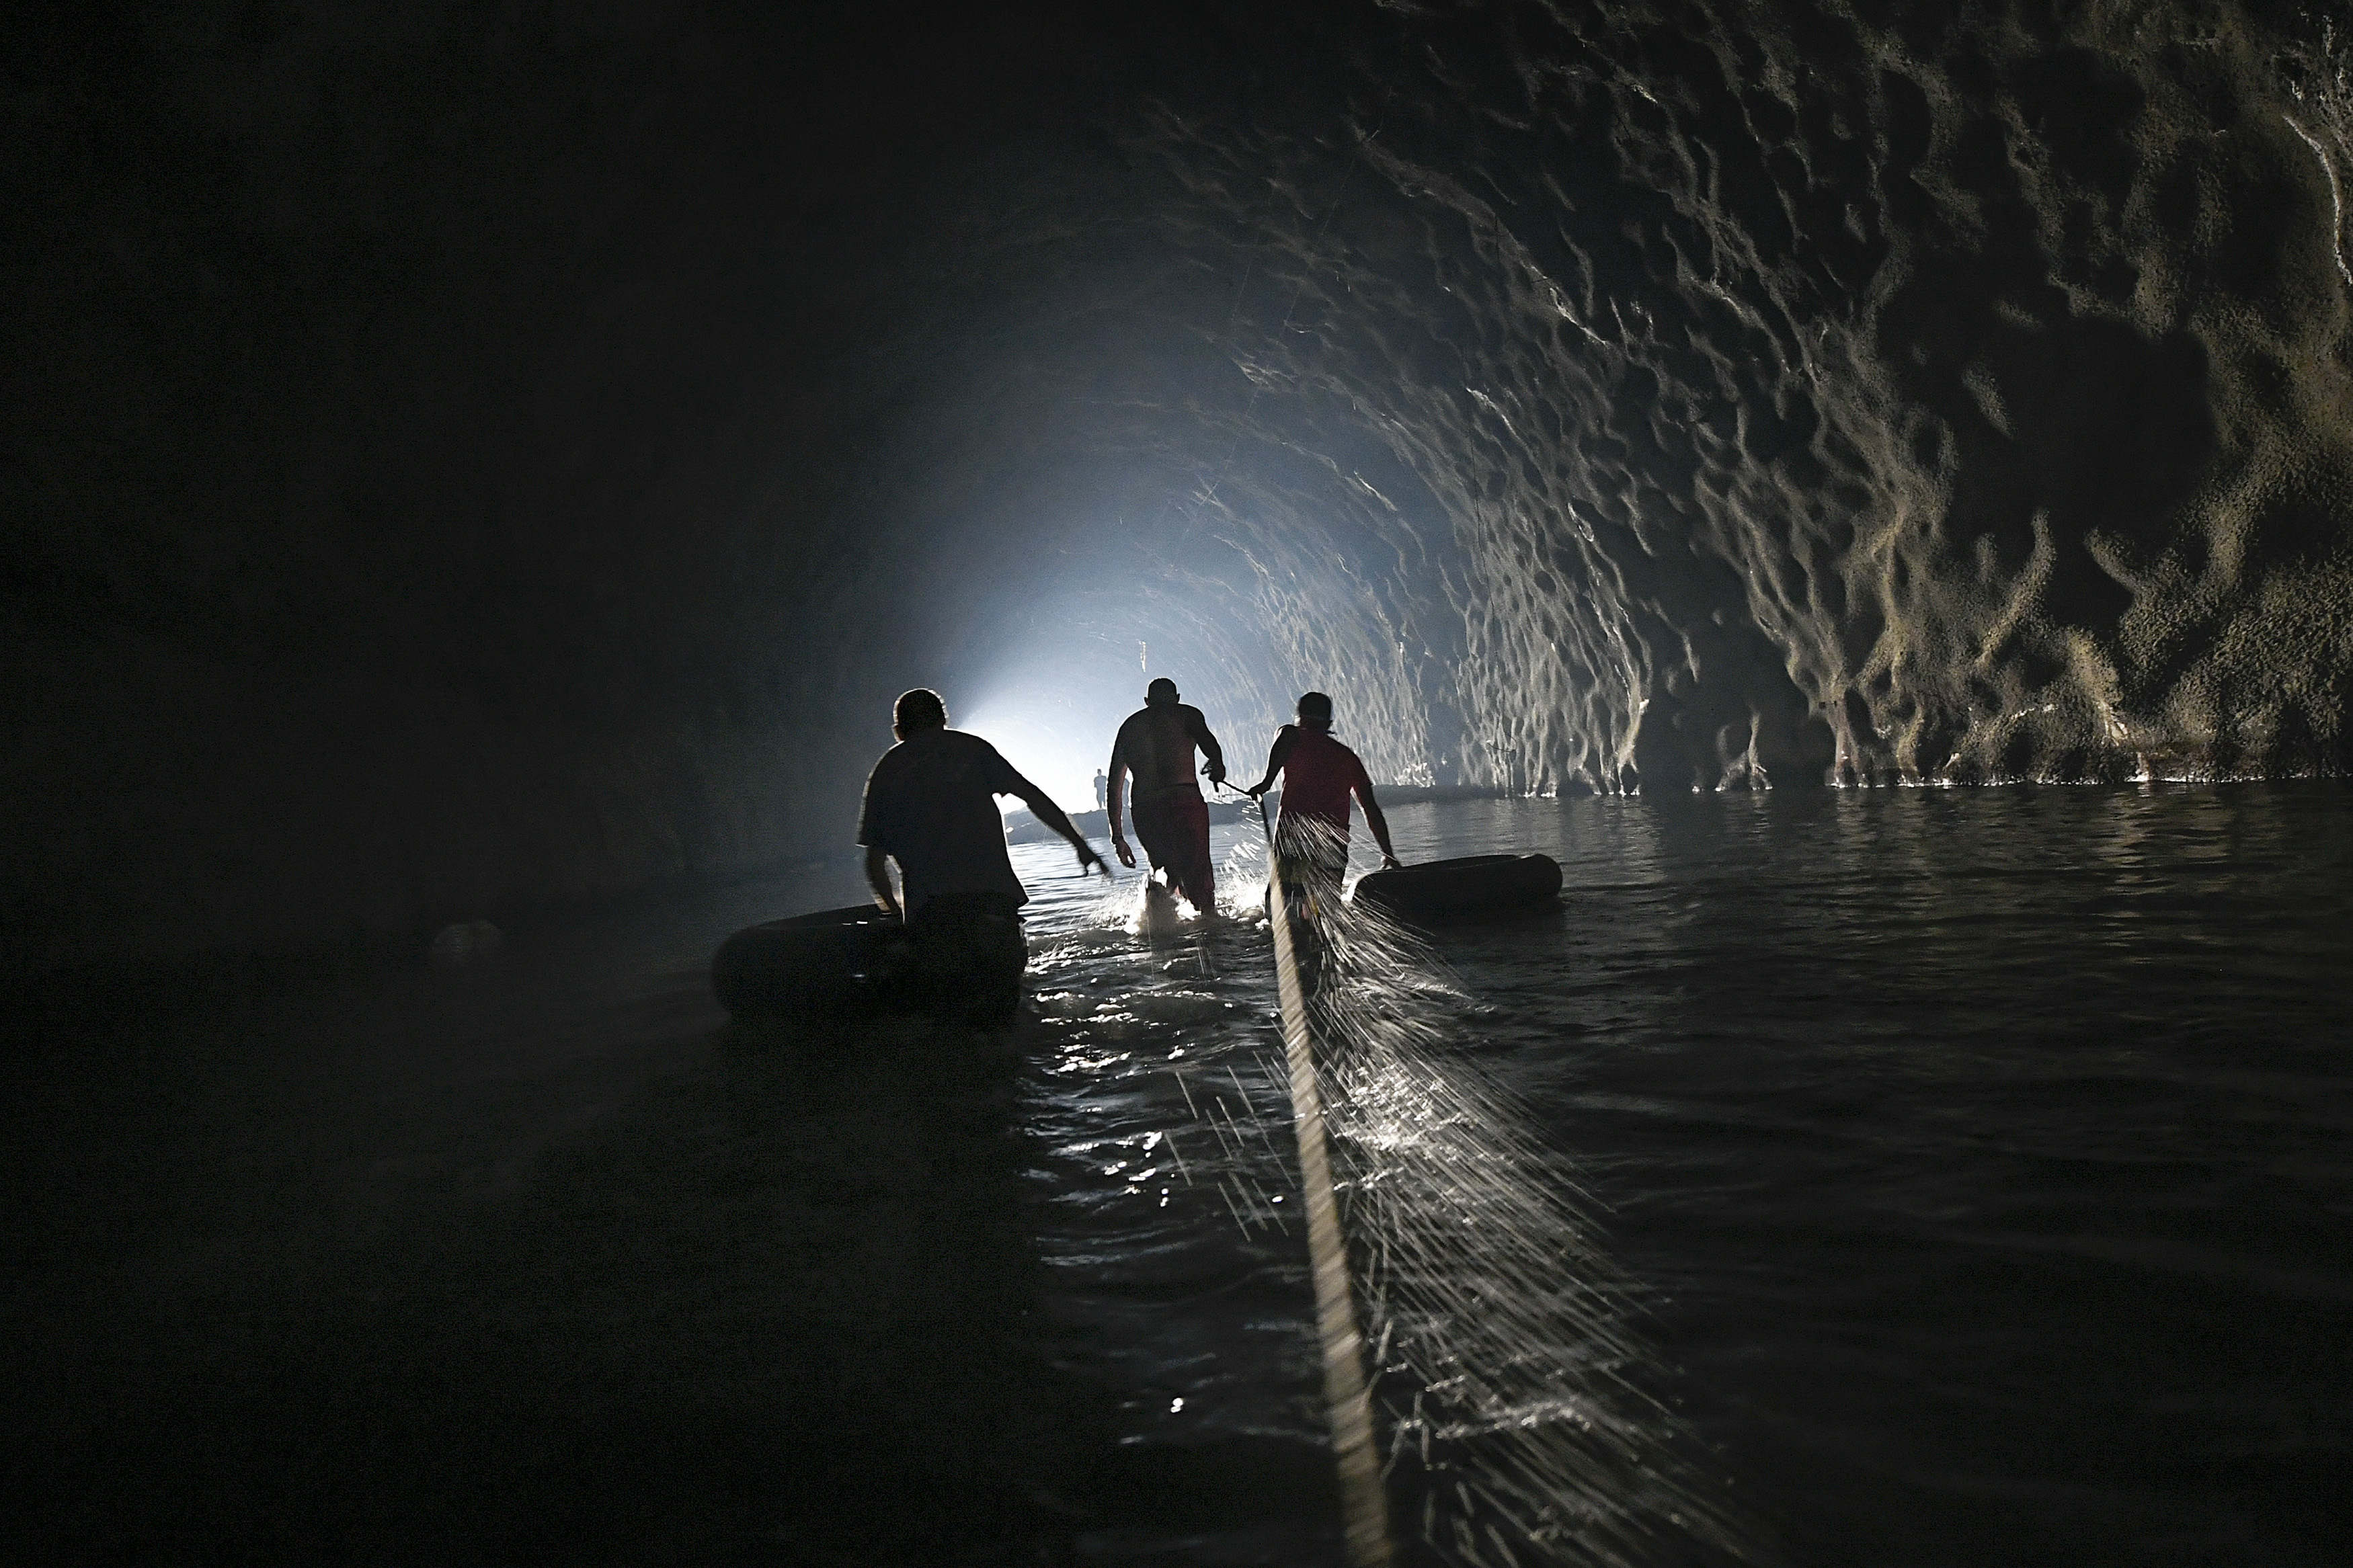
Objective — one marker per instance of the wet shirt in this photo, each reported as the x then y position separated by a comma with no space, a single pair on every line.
1156,744
931,805
1318,775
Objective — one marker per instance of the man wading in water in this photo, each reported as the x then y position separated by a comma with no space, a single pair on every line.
930,805
1319,773
1156,744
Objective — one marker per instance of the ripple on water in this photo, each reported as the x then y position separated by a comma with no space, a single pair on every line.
1922,1155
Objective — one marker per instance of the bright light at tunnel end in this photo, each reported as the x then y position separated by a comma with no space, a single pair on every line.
1056,748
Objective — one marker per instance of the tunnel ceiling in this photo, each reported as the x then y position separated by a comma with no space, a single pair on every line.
558,417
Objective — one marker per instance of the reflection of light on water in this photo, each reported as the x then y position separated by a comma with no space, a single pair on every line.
1517,1426
1502,1331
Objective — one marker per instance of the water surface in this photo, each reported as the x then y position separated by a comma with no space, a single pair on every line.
1911,1177
1977,1161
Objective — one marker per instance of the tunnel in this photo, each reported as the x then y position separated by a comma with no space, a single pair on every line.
478,467
471,461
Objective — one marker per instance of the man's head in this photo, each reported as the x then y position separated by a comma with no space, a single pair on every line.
1161,693
916,710
1314,710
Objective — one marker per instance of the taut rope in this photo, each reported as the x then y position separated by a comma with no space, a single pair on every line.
1364,1507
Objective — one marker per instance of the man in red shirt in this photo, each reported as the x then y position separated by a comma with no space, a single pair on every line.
1319,774
1156,745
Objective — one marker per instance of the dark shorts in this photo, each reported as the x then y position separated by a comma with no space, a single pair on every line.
1312,847
1312,857
1174,832
970,952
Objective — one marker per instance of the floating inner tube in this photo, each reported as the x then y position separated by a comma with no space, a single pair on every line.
862,963
1474,885
833,964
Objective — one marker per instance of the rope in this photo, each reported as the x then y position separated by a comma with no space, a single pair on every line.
1363,1508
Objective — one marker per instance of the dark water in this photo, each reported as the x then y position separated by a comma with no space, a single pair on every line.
1977,1160
1968,1171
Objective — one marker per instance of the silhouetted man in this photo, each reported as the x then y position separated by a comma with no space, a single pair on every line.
930,805
1319,774
1156,746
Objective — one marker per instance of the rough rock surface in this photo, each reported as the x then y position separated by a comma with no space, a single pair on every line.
475,458
1787,394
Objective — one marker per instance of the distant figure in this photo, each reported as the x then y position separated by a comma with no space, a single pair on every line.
1319,773
1100,781
931,806
1156,746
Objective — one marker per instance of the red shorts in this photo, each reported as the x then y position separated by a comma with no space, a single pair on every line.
1174,832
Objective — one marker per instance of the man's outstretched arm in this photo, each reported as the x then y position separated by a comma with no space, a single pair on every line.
1117,778
1284,739
1042,806
1216,767
878,877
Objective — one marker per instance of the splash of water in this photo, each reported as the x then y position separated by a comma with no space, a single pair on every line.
1520,1422
1510,1342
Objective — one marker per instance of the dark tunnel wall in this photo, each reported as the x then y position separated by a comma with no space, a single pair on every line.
475,456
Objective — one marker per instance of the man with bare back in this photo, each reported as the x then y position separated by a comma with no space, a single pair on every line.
1156,746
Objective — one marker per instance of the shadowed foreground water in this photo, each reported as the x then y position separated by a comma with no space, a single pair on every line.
1971,1168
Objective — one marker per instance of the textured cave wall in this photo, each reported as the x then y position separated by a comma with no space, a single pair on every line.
1806,395
475,457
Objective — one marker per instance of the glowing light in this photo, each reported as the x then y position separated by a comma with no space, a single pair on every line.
1055,747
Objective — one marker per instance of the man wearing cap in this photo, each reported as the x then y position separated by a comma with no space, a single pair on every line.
1156,746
